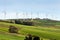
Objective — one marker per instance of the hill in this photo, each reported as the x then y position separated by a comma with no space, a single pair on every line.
35,22
44,32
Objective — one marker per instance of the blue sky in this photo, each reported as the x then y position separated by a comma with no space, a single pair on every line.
45,8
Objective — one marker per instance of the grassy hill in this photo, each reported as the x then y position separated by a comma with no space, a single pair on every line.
44,32
34,22
47,22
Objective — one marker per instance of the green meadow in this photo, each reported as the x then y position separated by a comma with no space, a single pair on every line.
46,33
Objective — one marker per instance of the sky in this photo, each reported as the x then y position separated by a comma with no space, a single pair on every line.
30,8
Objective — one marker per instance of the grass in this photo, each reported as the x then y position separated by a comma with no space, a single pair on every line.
43,32
10,37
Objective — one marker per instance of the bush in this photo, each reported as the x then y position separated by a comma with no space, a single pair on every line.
13,29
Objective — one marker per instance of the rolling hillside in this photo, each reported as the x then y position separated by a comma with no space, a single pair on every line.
35,22
44,32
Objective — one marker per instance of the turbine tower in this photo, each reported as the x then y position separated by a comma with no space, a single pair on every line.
4,14
38,15
16,15
46,16
31,16
23,17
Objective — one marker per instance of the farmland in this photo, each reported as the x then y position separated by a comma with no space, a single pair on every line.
45,33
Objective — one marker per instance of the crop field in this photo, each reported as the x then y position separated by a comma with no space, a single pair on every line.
46,33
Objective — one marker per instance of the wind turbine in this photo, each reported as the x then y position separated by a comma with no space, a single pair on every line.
23,17
31,16
46,16
16,15
38,15
4,14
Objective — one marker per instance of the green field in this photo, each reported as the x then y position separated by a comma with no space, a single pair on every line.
44,32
